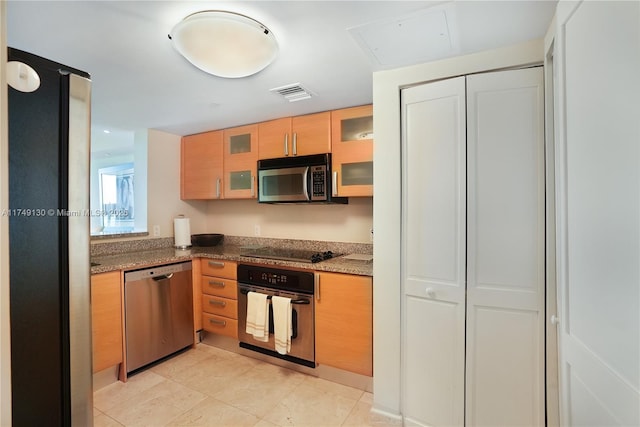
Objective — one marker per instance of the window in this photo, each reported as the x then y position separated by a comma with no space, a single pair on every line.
117,198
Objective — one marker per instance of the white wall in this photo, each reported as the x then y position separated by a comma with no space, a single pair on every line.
387,199
339,223
141,177
5,332
163,187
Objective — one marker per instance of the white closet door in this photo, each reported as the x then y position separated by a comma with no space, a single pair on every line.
599,212
434,253
505,249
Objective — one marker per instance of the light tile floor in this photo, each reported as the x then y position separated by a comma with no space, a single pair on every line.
207,386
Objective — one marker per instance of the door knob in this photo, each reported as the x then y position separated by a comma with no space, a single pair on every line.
554,319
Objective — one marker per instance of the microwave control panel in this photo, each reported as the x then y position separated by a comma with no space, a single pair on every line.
319,182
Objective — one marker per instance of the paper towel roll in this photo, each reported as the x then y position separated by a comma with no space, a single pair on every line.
181,232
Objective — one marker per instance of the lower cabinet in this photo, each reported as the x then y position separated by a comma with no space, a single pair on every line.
219,297
106,320
344,322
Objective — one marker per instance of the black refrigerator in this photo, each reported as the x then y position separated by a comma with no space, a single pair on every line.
49,252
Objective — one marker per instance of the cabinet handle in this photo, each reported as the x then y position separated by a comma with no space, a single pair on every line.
430,292
218,322
295,144
218,188
253,186
216,302
216,264
286,144
334,183
316,291
554,319
216,284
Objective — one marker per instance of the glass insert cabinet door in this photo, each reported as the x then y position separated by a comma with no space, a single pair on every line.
352,151
240,160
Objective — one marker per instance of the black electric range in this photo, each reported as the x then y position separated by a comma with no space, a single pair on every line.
287,254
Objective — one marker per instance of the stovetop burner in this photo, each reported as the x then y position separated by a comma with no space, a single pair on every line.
285,254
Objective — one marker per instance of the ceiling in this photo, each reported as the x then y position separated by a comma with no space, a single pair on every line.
330,47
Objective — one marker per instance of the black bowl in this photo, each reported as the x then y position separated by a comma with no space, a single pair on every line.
206,239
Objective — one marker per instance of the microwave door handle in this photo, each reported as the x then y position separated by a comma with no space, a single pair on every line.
305,183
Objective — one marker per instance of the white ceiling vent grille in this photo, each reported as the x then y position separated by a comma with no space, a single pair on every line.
292,92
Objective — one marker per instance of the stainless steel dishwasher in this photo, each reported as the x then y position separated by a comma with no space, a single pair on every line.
158,313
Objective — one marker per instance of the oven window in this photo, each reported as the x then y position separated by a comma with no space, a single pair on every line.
282,185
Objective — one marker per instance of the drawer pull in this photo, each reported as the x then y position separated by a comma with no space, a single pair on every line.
216,302
216,264
218,322
216,284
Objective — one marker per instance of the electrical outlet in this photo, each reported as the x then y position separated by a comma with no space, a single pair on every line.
156,231
256,230
371,234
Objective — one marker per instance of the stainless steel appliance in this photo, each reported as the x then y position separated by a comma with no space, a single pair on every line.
158,313
50,305
302,179
298,255
297,285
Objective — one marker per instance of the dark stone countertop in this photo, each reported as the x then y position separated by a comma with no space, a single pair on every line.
147,258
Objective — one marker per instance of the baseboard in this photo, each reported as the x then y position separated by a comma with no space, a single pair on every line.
105,377
393,417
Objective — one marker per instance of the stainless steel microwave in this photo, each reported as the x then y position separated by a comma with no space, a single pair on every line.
299,179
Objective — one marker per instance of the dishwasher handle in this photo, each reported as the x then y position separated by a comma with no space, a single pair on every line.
163,277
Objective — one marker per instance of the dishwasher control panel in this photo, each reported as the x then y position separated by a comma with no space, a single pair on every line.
161,270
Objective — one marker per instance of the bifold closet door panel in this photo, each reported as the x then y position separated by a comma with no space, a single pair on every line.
433,265
505,248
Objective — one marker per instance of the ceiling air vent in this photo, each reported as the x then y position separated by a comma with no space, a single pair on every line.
292,92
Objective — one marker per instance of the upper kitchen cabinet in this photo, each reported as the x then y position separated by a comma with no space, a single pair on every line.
239,160
201,166
295,136
352,151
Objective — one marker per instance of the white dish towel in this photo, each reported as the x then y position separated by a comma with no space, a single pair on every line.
258,316
282,323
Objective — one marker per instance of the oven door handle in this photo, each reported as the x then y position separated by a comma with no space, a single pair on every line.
301,301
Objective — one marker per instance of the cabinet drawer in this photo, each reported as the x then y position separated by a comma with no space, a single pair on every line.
219,287
219,268
220,306
220,325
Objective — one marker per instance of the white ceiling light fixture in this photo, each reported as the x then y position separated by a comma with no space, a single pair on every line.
225,44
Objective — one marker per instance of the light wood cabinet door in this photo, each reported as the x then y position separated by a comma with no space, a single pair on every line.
311,134
201,166
220,325
218,299
274,138
295,136
344,322
106,320
352,151
219,268
239,162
